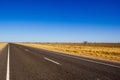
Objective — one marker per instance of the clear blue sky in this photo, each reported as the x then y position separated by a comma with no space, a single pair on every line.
60,20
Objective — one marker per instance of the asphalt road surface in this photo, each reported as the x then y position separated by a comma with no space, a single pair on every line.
19,62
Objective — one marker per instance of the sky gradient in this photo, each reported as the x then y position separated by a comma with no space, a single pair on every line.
60,20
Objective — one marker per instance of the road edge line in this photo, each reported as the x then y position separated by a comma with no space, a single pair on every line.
8,64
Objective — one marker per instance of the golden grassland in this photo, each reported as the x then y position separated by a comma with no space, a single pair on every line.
2,45
110,51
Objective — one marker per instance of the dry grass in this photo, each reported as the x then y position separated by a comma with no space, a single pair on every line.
2,45
110,51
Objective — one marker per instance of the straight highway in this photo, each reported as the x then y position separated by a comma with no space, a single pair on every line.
18,62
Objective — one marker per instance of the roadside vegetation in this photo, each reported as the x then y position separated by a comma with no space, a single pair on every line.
110,51
2,45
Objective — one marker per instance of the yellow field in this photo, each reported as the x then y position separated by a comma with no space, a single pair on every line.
110,51
2,45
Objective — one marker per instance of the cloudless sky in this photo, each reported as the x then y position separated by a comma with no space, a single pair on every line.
60,20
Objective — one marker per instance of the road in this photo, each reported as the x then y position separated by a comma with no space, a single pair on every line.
19,62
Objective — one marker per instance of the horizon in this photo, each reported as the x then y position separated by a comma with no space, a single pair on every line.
60,21
67,42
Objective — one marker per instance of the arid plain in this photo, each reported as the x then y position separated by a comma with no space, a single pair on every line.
108,51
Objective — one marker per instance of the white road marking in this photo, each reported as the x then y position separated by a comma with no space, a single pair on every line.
52,61
26,50
8,64
98,62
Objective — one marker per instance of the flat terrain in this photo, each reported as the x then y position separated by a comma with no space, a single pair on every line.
28,63
2,45
109,51
3,60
